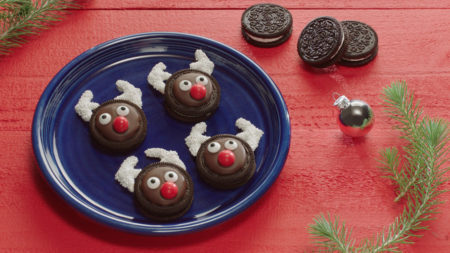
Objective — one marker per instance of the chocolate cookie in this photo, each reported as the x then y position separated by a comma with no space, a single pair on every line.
363,44
163,191
322,42
191,95
225,161
118,125
266,25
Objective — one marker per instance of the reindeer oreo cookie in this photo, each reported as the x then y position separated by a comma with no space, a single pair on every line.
163,191
191,95
118,124
225,161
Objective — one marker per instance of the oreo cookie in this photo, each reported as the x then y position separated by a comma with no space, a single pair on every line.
118,125
225,162
322,42
363,44
163,191
266,25
191,95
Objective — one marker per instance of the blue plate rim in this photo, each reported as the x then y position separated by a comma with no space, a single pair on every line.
285,134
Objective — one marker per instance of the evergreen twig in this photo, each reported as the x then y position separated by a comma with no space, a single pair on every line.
20,19
332,235
418,180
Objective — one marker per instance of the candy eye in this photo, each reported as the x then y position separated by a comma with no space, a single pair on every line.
202,79
153,183
104,118
171,176
231,145
213,147
185,85
122,110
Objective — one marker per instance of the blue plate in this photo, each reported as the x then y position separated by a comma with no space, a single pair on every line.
84,175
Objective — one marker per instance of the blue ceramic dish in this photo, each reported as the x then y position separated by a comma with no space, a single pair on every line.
84,175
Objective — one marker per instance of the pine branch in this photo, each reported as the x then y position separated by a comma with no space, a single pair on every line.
419,179
332,235
20,19
403,109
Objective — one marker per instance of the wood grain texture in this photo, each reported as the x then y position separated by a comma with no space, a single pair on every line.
324,172
290,4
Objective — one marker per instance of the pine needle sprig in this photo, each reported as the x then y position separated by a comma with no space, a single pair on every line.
419,178
423,137
20,19
332,235
402,108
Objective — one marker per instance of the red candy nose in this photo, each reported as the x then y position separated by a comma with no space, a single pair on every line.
226,158
169,190
120,124
198,91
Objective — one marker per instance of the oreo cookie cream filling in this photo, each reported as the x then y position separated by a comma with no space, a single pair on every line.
266,25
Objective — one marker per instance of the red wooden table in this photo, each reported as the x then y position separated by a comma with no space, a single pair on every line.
324,171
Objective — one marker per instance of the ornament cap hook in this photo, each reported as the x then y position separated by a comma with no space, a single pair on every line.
335,95
342,102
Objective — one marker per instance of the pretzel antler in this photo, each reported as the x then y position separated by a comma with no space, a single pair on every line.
250,133
196,138
127,173
169,156
203,63
85,106
157,76
130,93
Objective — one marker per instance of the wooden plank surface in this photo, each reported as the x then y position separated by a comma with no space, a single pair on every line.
291,4
324,172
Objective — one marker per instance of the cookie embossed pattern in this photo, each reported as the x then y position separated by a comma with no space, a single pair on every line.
322,42
266,25
326,41
363,44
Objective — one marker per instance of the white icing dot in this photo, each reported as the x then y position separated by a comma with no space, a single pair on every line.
213,147
202,79
122,110
171,176
231,145
104,118
153,183
185,85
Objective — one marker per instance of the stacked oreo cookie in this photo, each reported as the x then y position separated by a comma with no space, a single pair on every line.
323,42
266,25
326,41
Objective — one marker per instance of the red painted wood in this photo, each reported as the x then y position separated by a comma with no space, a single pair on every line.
290,4
324,172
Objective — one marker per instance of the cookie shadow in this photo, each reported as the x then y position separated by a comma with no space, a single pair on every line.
318,71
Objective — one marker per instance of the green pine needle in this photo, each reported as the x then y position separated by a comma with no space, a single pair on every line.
20,19
332,236
419,179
